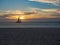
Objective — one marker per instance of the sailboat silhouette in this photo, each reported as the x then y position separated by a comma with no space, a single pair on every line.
19,20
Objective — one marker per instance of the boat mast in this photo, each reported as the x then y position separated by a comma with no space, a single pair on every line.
19,20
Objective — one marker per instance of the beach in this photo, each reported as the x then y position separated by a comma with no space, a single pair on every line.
30,36
29,22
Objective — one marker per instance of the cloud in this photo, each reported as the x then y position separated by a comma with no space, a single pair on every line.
36,10
49,10
11,12
49,13
6,14
55,2
29,13
48,1
33,13
17,12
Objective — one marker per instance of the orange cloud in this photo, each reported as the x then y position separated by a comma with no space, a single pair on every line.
34,13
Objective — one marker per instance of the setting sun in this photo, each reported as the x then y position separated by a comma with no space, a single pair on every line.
22,17
15,17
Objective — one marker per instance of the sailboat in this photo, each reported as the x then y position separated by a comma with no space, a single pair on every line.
19,20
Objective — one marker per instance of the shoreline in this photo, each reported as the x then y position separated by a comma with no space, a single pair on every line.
41,28
30,27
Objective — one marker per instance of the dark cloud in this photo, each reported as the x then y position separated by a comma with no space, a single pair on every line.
56,15
28,13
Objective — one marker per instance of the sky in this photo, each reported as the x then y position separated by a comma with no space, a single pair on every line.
29,9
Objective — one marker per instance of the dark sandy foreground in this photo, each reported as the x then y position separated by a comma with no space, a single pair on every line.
29,36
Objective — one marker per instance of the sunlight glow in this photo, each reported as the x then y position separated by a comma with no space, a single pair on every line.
22,17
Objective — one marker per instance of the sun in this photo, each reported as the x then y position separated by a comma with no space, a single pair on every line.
21,17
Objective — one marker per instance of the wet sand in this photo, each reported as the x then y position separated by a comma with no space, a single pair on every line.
29,36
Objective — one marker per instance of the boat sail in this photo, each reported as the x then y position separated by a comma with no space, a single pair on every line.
19,20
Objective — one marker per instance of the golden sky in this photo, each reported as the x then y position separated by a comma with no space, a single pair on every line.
33,13
29,9
44,13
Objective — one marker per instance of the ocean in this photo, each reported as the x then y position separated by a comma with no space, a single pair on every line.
29,25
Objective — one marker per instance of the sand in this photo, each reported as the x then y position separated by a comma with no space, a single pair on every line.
29,36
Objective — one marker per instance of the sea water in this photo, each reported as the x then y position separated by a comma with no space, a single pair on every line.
28,25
